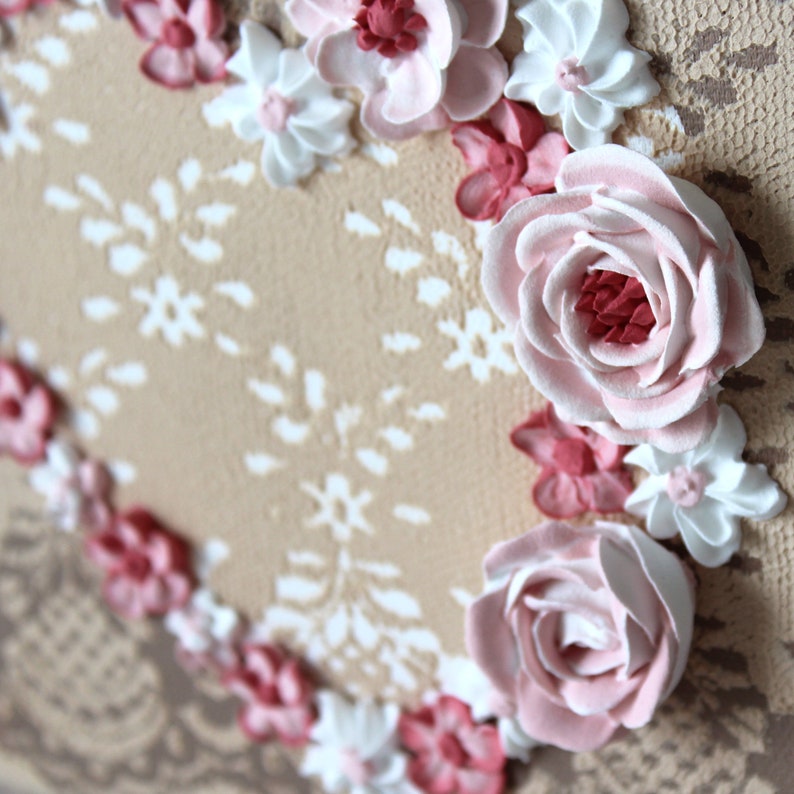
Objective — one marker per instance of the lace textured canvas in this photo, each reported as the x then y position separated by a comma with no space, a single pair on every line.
315,378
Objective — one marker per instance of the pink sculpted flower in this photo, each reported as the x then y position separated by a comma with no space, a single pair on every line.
512,157
419,63
452,754
584,629
581,470
27,413
186,35
147,567
277,693
629,295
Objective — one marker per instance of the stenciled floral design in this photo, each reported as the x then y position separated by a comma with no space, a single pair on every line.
585,630
277,695
147,567
27,413
511,156
186,35
702,494
355,748
76,490
418,63
618,240
452,753
169,312
581,470
578,64
284,103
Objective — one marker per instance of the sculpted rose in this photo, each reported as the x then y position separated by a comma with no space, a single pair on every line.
582,630
629,295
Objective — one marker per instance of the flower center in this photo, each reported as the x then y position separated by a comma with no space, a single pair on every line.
617,307
274,111
574,456
686,486
178,35
357,771
452,750
507,163
137,566
10,408
569,75
388,26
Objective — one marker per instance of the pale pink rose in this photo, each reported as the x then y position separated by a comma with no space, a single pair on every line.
186,35
580,471
585,630
147,567
629,295
452,753
27,413
419,63
277,695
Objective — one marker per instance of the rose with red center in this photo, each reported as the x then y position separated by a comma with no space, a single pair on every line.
629,296
585,630
452,754
27,413
186,35
277,694
147,567
512,157
419,63
581,470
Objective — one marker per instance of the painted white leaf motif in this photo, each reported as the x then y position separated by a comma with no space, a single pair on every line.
432,291
92,187
290,432
103,398
32,75
136,217
53,50
428,412
123,472
373,461
204,249
100,308
401,342
164,196
381,153
298,588
60,199
400,213
74,132
397,602
462,597
361,225
308,559
268,393
126,259
242,172
78,21
238,291
380,570
228,345
412,514
215,214
402,260
132,373
397,438
92,361
262,464
189,174
99,231
314,383
283,359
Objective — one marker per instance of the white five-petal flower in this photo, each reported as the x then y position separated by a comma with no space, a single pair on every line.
284,103
703,493
355,748
577,63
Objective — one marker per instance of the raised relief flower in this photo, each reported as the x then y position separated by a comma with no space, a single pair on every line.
76,490
452,753
277,695
419,63
580,471
584,629
629,296
703,494
147,567
577,64
511,156
355,749
186,40
283,103
27,413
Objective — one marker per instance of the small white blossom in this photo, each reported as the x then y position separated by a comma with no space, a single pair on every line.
577,63
339,509
355,748
703,493
284,103
170,312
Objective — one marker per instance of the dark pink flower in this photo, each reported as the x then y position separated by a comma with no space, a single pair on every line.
27,413
186,35
147,567
512,157
9,8
581,470
277,693
452,754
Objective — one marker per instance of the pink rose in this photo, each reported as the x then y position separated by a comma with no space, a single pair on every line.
419,63
584,629
581,470
629,295
186,40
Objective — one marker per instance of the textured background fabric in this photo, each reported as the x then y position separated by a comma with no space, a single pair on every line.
326,390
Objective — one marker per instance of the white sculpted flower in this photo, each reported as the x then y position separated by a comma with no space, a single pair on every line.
283,102
355,748
703,493
577,63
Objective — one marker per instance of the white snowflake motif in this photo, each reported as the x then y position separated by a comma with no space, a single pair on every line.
169,312
15,135
480,346
339,509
